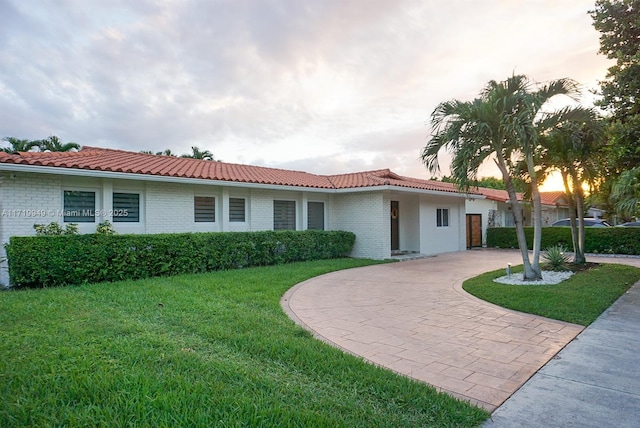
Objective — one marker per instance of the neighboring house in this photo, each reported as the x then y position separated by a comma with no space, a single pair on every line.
495,210
554,207
143,193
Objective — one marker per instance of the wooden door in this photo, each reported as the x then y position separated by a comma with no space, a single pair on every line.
395,226
474,230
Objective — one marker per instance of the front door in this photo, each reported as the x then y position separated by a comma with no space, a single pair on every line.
395,226
474,230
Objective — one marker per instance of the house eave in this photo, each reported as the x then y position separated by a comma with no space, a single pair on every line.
114,175
403,189
153,178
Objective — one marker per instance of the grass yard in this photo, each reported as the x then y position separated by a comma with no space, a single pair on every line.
195,350
580,299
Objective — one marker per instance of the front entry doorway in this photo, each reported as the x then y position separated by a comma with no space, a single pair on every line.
474,230
395,226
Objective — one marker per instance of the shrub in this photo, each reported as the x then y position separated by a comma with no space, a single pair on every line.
556,257
54,229
58,260
600,240
105,228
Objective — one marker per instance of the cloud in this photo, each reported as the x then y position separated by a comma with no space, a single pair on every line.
328,86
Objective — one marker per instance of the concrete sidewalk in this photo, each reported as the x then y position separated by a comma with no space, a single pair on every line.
593,382
414,318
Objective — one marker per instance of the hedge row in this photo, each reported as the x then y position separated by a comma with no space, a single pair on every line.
599,240
44,261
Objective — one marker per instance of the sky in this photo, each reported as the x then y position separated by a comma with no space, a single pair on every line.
323,86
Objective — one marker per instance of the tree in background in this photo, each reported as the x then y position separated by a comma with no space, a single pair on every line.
626,194
54,144
49,144
196,153
17,145
619,25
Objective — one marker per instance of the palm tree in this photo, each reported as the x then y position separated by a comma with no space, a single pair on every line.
502,124
199,154
166,152
53,144
626,193
574,147
18,145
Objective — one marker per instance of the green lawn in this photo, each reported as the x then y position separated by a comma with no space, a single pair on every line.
195,350
580,299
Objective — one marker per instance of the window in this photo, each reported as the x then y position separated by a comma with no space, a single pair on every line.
284,215
126,207
236,210
79,206
204,209
315,215
442,217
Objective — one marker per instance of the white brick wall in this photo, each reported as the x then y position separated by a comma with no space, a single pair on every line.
26,199
367,215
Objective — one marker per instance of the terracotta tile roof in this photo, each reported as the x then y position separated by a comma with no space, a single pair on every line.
496,194
99,159
385,177
111,160
556,198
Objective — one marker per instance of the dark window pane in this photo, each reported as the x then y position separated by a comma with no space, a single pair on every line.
126,207
315,216
284,215
236,210
204,208
79,207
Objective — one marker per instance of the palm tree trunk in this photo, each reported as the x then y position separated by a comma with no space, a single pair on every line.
517,219
579,257
537,221
572,216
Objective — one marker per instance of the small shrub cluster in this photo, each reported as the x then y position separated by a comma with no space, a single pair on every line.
599,240
55,229
38,261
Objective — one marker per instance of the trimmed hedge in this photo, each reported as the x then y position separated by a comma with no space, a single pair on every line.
45,261
599,240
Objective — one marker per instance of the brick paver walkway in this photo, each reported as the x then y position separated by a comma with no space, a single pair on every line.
414,318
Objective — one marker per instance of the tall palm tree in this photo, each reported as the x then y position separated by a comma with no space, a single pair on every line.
574,147
17,145
196,153
54,144
503,124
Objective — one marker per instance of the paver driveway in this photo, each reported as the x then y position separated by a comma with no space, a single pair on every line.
414,318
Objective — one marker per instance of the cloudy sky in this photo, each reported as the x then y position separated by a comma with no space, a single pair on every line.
324,86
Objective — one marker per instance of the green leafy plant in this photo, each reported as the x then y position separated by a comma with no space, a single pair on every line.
556,257
105,228
54,229
600,240
38,261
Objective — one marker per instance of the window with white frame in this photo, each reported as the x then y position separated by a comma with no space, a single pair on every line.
126,207
442,217
204,209
79,206
237,210
315,215
284,215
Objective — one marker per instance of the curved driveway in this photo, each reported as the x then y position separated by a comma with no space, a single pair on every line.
414,318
